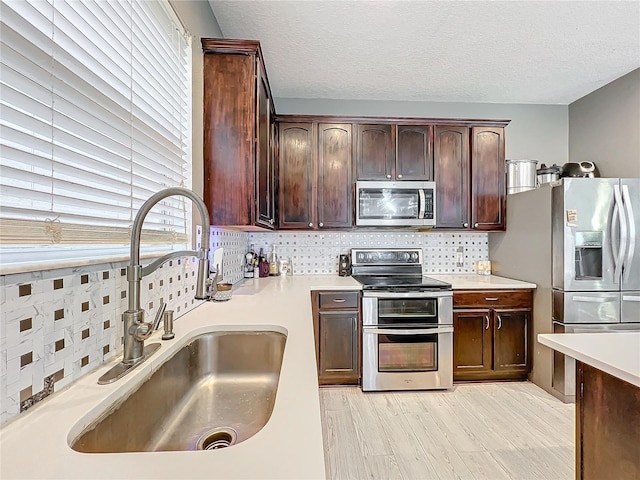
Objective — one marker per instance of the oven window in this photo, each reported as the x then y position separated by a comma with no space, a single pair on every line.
408,353
407,311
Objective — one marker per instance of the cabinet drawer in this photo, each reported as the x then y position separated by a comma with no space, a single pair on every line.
493,298
338,300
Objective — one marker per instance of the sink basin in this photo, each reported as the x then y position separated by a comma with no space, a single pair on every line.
216,391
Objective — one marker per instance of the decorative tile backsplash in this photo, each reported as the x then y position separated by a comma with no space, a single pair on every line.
317,253
58,325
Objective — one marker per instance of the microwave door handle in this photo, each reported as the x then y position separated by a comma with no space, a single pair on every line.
631,236
422,202
617,264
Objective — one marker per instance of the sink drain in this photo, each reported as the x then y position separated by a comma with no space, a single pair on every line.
217,438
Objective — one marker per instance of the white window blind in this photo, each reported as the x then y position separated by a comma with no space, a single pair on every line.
95,112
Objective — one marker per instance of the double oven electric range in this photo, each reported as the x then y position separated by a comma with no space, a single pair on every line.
407,322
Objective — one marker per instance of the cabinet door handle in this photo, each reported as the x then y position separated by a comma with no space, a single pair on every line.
486,319
400,175
339,300
477,225
388,176
311,224
465,224
491,299
499,322
321,224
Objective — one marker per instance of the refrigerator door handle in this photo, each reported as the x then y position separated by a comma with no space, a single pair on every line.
626,266
619,256
631,298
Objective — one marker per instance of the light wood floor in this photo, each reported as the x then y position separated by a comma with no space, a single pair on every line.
475,431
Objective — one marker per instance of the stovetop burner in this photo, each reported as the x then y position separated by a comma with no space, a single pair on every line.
393,269
399,282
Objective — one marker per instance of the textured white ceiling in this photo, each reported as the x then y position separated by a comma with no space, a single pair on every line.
547,52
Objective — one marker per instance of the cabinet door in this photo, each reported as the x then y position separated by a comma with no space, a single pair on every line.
334,176
265,162
297,175
471,342
488,195
451,173
339,347
229,125
511,340
414,158
375,154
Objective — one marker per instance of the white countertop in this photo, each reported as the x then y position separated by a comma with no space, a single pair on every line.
616,353
289,446
481,282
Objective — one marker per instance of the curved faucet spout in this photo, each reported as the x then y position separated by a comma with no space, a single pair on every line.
135,271
151,202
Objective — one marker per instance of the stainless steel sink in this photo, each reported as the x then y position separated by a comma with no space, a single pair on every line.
216,391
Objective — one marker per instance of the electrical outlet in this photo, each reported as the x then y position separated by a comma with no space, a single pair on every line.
460,257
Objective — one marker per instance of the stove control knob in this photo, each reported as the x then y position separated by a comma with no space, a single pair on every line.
414,256
406,257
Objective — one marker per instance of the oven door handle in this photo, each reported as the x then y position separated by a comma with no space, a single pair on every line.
443,293
410,331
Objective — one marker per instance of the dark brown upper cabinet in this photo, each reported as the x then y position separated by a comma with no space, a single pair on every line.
469,170
393,152
375,151
335,178
296,167
315,178
414,157
239,165
451,172
488,193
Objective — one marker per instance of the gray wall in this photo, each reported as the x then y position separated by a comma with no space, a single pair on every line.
538,132
198,19
604,127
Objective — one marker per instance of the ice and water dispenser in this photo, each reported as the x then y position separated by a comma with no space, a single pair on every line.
588,255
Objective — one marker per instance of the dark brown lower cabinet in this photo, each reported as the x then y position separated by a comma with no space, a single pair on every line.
607,426
337,329
492,335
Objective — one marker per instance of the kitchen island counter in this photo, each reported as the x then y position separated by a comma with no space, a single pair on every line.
615,353
607,401
288,447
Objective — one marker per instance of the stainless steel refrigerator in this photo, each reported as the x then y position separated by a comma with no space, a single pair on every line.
595,260
577,240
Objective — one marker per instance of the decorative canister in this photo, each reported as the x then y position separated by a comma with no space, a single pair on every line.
521,175
223,292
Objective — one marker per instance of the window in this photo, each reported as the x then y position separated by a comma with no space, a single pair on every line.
95,117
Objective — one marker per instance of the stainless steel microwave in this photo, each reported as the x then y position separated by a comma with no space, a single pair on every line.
395,204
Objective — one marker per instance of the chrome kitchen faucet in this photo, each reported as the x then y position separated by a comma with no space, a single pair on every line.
136,330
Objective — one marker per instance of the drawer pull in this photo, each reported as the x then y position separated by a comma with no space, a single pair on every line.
577,298
339,300
491,299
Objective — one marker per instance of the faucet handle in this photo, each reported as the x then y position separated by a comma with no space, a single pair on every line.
156,322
